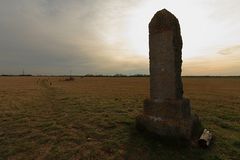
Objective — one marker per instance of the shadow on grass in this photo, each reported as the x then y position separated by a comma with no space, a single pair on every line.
143,145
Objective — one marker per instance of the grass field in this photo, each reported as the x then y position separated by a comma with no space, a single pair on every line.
94,118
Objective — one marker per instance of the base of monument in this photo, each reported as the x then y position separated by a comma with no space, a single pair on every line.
171,118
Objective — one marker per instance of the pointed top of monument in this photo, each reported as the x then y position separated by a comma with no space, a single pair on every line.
163,20
164,12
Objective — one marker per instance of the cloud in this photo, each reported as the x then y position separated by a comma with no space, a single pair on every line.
230,50
110,36
226,62
55,36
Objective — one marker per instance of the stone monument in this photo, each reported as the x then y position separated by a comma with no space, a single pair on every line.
166,113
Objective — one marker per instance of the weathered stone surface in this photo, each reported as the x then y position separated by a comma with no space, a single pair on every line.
165,44
166,127
168,109
166,113
168,118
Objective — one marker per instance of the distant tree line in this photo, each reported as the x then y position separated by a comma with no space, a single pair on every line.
86,75
24,75
114,75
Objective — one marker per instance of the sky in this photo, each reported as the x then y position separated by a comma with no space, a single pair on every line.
56,37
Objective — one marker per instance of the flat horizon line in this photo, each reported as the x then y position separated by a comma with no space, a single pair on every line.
104,75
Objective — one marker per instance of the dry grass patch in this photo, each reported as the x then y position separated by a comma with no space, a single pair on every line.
94,118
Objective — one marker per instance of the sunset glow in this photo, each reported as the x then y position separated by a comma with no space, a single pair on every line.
53,37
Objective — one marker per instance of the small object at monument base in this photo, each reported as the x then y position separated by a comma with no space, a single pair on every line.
205,139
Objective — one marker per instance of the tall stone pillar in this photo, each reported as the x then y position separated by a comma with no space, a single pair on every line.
166,113
165,44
